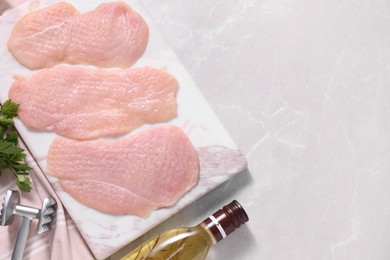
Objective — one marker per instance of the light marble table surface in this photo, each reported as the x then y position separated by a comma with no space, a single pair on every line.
303,87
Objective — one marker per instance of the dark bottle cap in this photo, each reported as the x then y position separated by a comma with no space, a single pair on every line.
226,220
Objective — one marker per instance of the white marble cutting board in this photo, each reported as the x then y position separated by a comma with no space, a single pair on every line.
220,159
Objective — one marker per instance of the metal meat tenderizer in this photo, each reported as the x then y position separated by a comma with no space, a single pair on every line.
11,207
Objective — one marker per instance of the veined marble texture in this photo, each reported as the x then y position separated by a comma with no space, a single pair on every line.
303,87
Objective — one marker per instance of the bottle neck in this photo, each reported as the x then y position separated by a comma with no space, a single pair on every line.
214,226
225,221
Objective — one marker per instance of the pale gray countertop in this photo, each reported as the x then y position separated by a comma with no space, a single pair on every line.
303,87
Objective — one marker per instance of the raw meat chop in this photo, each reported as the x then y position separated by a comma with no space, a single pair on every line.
135,175
84,103
112,35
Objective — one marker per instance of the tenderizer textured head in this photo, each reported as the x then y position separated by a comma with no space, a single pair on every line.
46,215
10,201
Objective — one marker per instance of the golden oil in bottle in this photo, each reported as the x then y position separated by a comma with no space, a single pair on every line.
192,243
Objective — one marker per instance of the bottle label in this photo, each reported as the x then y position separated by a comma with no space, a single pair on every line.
218,225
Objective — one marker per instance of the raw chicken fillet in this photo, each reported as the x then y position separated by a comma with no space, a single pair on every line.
136,175
84,103
112,35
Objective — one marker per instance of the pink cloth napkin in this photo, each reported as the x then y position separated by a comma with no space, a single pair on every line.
62,242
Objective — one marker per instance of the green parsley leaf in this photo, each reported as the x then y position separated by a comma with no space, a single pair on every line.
9,148
9,109
11,154
5,121
23,181
12,136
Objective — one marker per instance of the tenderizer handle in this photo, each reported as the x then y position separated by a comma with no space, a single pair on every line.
21,238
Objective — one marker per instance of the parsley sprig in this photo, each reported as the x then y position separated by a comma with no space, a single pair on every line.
11,155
